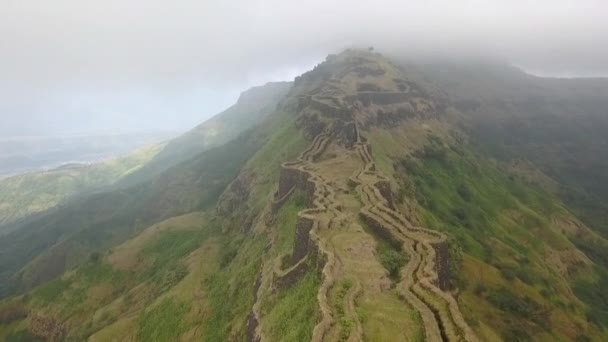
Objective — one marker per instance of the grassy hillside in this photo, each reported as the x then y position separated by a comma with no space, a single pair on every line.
36,192
557,124
112,290
58,239
190,276
515,264
180,178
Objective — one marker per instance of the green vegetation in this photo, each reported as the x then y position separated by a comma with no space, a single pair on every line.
52,290
164,254
294,313
345,323
393,260
102,220
163,322
389,254
469,198
22,336
594,294
231,290
499,220
524,307
287,217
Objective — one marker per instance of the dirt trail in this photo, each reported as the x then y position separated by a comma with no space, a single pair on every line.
323,213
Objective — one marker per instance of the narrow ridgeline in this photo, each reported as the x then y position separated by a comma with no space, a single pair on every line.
350,205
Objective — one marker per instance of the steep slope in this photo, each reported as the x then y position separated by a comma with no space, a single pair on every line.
361,209
35,192
60,238
251,108
53,240
558,124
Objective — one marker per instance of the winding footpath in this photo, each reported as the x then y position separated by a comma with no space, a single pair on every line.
439,311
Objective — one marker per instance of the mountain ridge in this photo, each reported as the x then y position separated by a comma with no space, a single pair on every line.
316,232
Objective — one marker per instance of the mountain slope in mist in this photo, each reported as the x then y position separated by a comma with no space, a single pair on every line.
371,203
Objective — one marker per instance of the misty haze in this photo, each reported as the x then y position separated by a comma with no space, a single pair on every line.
303,171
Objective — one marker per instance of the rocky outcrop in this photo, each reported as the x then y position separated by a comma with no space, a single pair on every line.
252,319
237,193
302,238
324,106
291,275
379,228
384,187
294,179
345,133
381,97
441,265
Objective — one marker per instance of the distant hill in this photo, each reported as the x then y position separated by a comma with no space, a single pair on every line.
37,191
26,154
371,199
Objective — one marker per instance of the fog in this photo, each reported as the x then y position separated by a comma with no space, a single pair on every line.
84,66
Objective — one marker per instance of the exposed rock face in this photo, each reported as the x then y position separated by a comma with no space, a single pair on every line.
345,133
441,264
310,124
291,276
252,321
302,238
237,194
385,189
291,179
380,229
381,97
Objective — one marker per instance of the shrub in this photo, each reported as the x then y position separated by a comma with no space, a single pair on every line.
393,260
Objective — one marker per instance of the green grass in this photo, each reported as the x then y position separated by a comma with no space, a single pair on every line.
499,219
393,260
469,198
163,322
295,311
346,324
230,290
594,294
51,291
286,220
166,251
389,254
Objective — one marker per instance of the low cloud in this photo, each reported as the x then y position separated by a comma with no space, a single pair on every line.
83,65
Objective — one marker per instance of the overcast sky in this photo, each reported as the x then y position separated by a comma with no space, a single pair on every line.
82,66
